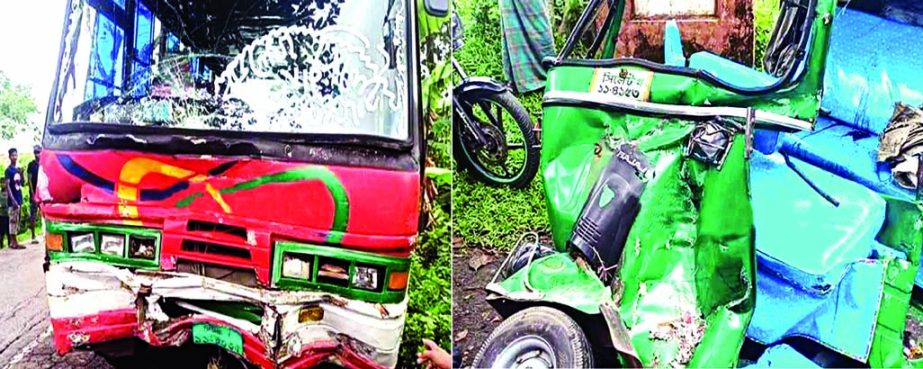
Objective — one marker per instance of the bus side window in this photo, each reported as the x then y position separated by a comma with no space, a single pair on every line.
105,75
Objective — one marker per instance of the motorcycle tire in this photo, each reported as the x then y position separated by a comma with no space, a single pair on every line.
467,160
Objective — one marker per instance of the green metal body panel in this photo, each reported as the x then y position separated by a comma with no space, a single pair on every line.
903,231
690,253
390,265
562,281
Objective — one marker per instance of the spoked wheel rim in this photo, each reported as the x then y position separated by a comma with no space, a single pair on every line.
503,157
528,352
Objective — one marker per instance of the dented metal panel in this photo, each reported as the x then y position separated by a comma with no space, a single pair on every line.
93,302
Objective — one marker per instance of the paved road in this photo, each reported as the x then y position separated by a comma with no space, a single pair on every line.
25,331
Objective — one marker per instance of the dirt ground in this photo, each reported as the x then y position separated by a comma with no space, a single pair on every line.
472,318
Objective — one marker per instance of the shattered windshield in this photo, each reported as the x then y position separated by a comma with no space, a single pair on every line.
283,66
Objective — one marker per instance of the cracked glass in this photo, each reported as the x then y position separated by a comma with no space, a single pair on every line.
302,67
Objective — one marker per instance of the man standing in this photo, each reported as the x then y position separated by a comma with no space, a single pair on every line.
4,215
32,173
14,197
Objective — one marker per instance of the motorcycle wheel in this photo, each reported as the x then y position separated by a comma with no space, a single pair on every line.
489,164
538,337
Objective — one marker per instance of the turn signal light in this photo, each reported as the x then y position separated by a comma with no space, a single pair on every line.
310,314
397,281
54,242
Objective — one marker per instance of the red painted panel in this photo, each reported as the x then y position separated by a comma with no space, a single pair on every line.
116,324
274,199
102,327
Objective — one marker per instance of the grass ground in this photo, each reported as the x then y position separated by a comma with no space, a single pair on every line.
764,18
429,311
476,207
487,221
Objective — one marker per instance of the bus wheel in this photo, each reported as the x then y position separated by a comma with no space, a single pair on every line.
538,337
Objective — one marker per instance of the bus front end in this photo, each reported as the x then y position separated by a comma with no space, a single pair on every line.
244,176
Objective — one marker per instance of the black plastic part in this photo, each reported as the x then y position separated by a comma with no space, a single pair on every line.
710,142
603,226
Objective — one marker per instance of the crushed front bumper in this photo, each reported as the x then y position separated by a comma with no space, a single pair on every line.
93,303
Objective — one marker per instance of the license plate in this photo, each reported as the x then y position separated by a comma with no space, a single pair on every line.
621,82
223,337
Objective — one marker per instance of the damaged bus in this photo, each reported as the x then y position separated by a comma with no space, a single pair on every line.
213,176
706,213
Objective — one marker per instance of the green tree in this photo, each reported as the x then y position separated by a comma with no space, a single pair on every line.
16,105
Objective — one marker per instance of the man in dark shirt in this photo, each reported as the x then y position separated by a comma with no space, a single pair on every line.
14,196
32,173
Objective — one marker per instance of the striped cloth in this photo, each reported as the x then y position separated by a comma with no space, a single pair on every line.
527,39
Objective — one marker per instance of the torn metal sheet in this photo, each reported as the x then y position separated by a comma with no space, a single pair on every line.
86,308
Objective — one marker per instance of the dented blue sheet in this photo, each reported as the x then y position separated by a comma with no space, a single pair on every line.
814,278
784,356
873,63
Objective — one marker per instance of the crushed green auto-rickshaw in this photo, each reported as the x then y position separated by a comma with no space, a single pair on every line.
708,214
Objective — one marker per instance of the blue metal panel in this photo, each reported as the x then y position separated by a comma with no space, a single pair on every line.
783,356
842,320
864,79
802,236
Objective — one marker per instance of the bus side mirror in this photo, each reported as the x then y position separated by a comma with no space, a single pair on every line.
436,8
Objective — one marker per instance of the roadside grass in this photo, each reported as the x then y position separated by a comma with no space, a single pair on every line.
26,236
487,216
764,19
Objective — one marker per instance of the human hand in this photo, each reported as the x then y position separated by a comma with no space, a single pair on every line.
434,356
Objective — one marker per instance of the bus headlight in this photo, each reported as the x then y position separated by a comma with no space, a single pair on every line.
296,266
83,243
366,278
142,247
112,244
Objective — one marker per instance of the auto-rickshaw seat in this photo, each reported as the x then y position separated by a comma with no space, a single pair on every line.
813,274
730,71
724,69
673,54
802,235
846,151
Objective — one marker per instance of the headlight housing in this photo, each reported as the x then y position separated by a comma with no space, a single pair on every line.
142,247
83,243
296,266
367,277
112,244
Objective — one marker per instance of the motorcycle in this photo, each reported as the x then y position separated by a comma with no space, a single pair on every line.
495,139
704,214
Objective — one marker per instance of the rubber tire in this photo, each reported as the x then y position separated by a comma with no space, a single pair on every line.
570,344
513,107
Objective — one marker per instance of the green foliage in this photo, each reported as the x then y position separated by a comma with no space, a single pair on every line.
436,71
764,19
566,13
429,311
496,216
481,56
16,105
439,142
483,215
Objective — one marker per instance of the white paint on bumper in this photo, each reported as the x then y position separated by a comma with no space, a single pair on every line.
80,288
